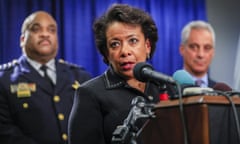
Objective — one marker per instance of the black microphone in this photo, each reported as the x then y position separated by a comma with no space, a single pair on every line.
144,72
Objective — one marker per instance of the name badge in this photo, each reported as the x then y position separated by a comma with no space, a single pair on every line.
23,90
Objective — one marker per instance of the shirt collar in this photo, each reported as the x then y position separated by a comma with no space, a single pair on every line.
50,64
112,80
204,79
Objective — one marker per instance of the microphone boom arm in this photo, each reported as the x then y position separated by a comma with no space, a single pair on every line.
127,133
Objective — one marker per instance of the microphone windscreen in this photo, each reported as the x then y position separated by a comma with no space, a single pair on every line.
222,87
138,71
183,78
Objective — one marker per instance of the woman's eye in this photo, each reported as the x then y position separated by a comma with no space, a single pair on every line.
133,41
114,44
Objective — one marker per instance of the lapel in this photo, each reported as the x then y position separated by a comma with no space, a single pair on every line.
64,77
27,72
211,83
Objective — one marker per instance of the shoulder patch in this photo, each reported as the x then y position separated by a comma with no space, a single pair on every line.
8,65
69,64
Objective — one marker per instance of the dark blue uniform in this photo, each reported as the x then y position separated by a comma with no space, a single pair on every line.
32,112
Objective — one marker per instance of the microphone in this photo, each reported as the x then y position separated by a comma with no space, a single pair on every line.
183,78
222,87
144,72
226,89
193,91
188,85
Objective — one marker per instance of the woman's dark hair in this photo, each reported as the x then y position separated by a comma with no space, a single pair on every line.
125,14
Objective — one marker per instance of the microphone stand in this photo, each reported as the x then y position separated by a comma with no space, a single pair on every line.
127,133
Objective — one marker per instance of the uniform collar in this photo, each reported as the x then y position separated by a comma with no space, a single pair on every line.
36,65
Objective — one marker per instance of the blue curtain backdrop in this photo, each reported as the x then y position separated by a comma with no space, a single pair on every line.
75,18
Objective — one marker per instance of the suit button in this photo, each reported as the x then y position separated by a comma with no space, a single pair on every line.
56,98
25,105
64,136
61,116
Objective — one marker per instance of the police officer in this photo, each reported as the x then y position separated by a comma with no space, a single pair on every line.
35,110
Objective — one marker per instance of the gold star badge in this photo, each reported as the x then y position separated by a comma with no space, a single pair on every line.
76,85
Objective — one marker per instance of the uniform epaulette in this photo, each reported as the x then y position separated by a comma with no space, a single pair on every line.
8,65
67,63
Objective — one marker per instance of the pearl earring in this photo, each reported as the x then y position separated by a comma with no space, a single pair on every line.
148,56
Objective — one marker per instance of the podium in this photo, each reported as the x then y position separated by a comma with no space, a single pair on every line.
209,120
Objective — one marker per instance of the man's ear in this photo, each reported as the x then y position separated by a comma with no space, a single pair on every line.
181,50
213,52
22,38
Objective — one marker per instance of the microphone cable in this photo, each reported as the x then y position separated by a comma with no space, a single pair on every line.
234,111
185,133
233,93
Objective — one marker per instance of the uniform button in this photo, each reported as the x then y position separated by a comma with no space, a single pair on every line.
56,98
61,116
64,136
25,105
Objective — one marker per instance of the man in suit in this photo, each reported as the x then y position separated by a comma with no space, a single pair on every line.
35,103
197,50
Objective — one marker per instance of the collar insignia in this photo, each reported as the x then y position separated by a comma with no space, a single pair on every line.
76,85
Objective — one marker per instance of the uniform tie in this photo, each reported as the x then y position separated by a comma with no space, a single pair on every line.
198,82
46,77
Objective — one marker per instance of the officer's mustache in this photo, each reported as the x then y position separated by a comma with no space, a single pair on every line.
45,39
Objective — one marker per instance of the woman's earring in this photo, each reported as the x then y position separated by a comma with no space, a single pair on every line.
148,56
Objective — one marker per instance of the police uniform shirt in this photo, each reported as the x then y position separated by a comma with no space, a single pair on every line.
51,71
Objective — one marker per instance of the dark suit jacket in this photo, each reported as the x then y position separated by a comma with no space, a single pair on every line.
101,105
211,83
31,112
